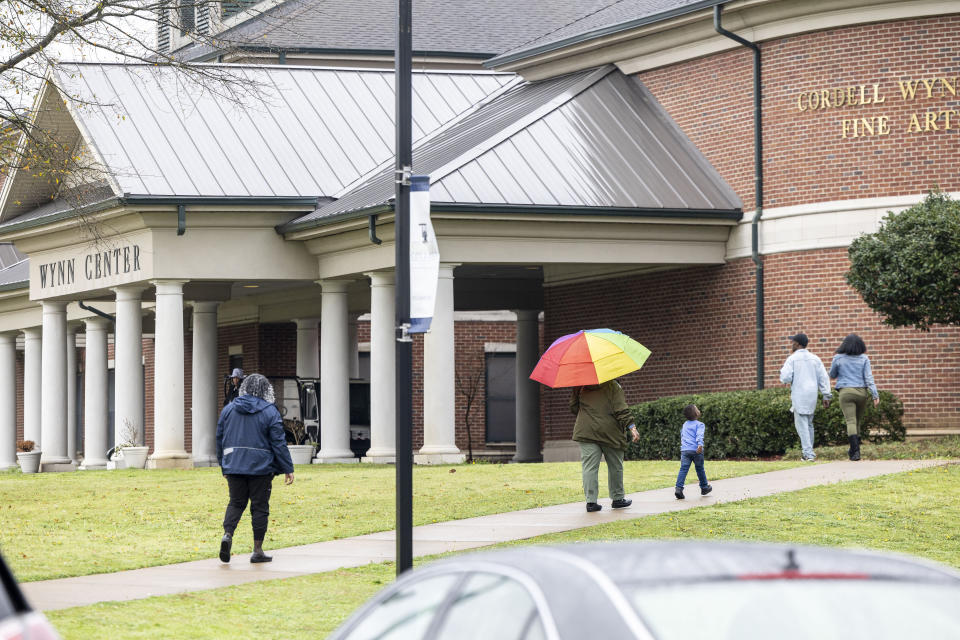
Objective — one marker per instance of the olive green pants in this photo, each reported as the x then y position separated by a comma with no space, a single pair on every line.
853,402
590,454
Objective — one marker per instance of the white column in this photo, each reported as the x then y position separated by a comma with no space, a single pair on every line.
95,401
53,390
334,375
528,391
169,451
205,411
439,380
383,369
32,341
128,365
72,393
353,347
8,400
308,347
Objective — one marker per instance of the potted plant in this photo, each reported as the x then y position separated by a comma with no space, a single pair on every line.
301,451
127,453
28,458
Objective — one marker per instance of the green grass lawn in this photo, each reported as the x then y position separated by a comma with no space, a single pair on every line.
915,512
71,524
930,448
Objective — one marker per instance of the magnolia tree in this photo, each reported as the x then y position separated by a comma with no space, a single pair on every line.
34,34
909,270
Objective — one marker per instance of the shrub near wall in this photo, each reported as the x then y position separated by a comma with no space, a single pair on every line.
748,424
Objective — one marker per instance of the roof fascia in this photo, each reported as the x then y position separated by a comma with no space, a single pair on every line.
726,215
593,34
128,199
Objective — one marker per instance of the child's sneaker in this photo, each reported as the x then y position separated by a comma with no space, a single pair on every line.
678,492
705,490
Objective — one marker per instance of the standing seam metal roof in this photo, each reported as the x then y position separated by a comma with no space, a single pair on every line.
590,139
262,132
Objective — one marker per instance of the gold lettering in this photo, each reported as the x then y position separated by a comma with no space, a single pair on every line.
851,95
814,100
845,124
929,85
863,96
914,126
824,98
867,124
945,84
909,89
876,95
839,97
883,127
800,106
931,121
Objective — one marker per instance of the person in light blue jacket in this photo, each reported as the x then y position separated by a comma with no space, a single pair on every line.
806,375
851,368
251,450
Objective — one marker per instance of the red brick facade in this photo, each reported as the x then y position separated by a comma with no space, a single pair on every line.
699,322
806,159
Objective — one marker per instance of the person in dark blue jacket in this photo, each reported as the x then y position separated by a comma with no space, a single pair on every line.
251,450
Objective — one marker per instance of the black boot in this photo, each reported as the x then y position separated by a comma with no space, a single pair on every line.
225,543
854,447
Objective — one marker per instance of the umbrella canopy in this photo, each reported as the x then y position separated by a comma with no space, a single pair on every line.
589,357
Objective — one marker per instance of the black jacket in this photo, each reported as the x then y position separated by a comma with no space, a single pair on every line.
250,439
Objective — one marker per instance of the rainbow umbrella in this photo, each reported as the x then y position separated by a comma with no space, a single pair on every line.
589,357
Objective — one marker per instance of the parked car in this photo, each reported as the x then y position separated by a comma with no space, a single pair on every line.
665,590
17,620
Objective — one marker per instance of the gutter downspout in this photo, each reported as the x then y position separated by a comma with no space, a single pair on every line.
181,219
758,186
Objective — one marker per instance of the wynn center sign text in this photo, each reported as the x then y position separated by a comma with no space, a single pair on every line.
86,268
864,106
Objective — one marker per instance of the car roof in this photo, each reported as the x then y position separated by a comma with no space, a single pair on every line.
659,562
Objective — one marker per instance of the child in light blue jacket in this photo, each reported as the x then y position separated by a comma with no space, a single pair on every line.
691,451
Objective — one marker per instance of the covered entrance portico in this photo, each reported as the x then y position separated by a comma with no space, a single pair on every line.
573,179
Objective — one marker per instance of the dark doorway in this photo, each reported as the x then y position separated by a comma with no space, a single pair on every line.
501,398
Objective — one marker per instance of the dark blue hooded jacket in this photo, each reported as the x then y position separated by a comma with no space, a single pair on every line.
250,439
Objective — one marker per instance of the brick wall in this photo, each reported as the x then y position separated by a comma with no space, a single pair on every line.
699,324
805,158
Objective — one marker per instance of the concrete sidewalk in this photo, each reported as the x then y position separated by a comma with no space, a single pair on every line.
431,539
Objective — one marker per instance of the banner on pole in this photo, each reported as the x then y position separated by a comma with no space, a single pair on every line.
424,256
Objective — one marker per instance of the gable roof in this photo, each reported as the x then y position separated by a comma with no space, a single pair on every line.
621,15
450,28
267,132
589,140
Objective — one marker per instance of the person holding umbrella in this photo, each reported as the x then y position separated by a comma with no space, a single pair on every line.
603,420
589,361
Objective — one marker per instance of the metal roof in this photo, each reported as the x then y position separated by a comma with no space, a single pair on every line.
456,28
595,139
16,275
252,131
612,18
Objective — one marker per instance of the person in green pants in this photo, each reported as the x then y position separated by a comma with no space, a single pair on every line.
603,421
855,384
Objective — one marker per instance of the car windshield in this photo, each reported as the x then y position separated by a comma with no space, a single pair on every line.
798,609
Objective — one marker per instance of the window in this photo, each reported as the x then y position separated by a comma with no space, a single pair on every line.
407,614
501,399
233,7
492,606
187,14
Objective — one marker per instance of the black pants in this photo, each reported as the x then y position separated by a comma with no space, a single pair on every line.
256,489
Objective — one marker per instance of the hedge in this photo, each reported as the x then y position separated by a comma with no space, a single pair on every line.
750,424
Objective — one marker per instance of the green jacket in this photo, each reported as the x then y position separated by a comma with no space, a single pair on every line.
602,414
